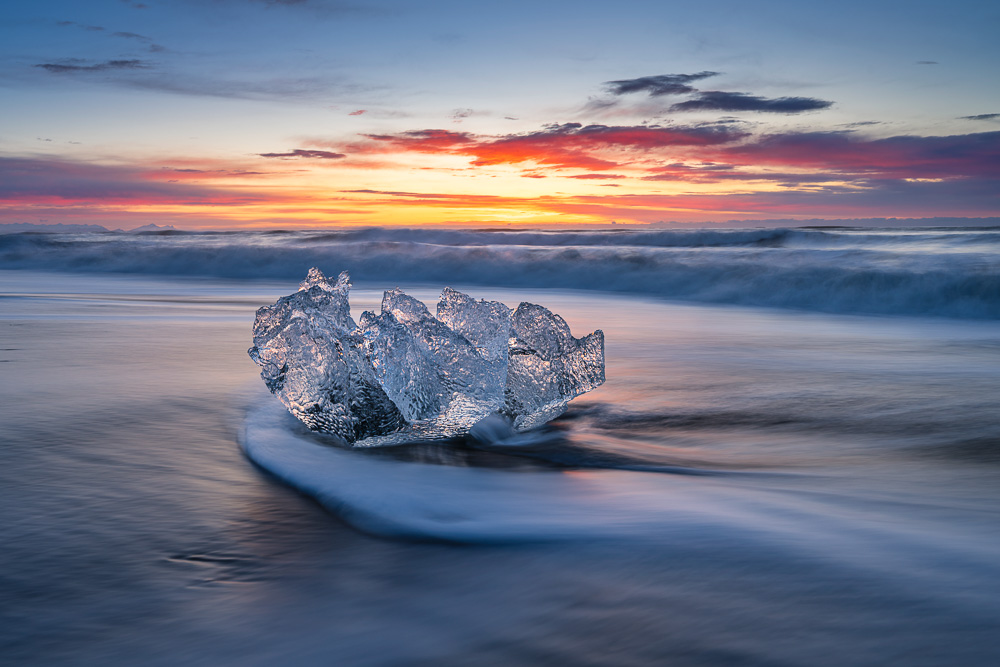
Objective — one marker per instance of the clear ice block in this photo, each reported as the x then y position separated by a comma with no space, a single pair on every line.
406,375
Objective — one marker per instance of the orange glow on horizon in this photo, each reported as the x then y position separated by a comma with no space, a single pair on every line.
562,175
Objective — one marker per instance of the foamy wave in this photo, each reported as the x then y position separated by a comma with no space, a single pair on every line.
420,501
950,274
417,501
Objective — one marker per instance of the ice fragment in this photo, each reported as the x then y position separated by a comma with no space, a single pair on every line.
405,374
547,366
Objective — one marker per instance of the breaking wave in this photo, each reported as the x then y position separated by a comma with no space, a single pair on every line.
946,272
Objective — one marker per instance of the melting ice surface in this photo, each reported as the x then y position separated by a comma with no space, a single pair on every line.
406,375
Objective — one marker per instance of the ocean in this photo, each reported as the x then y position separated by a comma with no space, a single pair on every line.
795,459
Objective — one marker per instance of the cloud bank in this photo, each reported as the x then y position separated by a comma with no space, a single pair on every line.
661,84
303,153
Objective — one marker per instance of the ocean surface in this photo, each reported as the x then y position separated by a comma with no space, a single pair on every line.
795,459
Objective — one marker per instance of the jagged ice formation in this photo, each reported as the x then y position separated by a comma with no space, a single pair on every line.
406,375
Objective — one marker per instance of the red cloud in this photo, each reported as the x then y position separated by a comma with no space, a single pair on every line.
820,174
570,145
892,157
38,181
713,153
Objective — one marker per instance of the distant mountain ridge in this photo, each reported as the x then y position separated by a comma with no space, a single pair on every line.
60,228
153,228
57,228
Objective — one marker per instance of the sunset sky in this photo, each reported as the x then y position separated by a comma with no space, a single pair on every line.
305,113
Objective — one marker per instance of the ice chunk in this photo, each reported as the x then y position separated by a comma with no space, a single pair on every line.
406,375
430,370
313,360
548,366
486,324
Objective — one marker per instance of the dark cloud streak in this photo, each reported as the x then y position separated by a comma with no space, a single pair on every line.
122,34
82,26
662,84
146,75
717,100
303,153
131,35
62,68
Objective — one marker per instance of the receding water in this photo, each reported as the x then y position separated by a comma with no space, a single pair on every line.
750,487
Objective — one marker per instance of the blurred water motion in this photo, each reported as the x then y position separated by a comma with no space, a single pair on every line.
851,516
